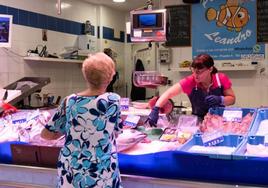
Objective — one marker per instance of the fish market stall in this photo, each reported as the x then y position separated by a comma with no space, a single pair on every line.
180,152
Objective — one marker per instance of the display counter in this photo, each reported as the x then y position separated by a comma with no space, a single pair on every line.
37,177
168,168
162,169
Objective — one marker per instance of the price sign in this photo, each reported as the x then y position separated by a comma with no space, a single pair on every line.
131,120
232,115
212,139
124,103
19,118
19,121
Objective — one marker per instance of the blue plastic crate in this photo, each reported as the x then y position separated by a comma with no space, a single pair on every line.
5,151
229,141
241,151
262,114
219,111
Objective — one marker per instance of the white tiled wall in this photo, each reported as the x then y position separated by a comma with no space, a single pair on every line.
116,20
65,78
251,87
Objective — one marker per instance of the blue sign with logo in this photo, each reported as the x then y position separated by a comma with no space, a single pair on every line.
226,30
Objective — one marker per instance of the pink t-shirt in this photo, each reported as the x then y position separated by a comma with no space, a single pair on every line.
188,83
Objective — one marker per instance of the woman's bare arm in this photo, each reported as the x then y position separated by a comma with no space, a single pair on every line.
168,94
229,97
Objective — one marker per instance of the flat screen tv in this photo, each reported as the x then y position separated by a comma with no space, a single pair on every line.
5,30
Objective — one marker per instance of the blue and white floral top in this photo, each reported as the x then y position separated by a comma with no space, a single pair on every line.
88,157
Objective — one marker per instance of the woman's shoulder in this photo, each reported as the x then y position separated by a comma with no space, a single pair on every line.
187,84
225,80
73,98
188,80
223,76
111,96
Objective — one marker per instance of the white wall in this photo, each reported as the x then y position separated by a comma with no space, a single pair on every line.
67,78
116,20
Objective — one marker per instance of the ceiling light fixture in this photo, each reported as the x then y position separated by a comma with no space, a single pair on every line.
61,5
119,1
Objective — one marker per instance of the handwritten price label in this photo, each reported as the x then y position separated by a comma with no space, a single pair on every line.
212,139
232,115
131,120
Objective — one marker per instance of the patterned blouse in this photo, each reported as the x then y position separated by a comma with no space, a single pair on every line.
88,157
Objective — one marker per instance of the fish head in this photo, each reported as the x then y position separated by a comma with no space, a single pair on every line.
241,18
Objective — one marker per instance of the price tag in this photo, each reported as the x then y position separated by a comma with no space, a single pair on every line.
232,115
19,121
124,103
212,139
131,120
19,118
137,33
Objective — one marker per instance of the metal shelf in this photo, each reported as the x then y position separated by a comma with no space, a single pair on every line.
227,68
54,60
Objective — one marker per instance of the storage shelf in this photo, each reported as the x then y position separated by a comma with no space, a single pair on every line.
234,68
238,68
55,60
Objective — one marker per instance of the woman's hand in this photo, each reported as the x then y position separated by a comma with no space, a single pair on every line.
214,100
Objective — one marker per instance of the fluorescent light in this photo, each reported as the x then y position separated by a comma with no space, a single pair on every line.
128,27
64,5
119,1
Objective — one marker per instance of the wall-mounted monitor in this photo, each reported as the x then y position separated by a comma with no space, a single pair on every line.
148,25
147,20
5,30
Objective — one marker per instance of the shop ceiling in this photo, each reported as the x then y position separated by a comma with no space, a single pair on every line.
126,6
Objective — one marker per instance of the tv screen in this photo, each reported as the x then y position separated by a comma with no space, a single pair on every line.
5,30
147,20
148,25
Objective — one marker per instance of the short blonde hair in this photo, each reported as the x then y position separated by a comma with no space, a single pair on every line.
98,70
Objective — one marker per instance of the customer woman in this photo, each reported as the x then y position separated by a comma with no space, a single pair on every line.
205,88
90,121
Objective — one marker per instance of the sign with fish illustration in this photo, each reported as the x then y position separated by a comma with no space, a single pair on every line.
226,29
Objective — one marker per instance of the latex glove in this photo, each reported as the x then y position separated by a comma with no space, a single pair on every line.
153,117
214,100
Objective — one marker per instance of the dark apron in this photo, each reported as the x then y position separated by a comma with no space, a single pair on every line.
197,99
